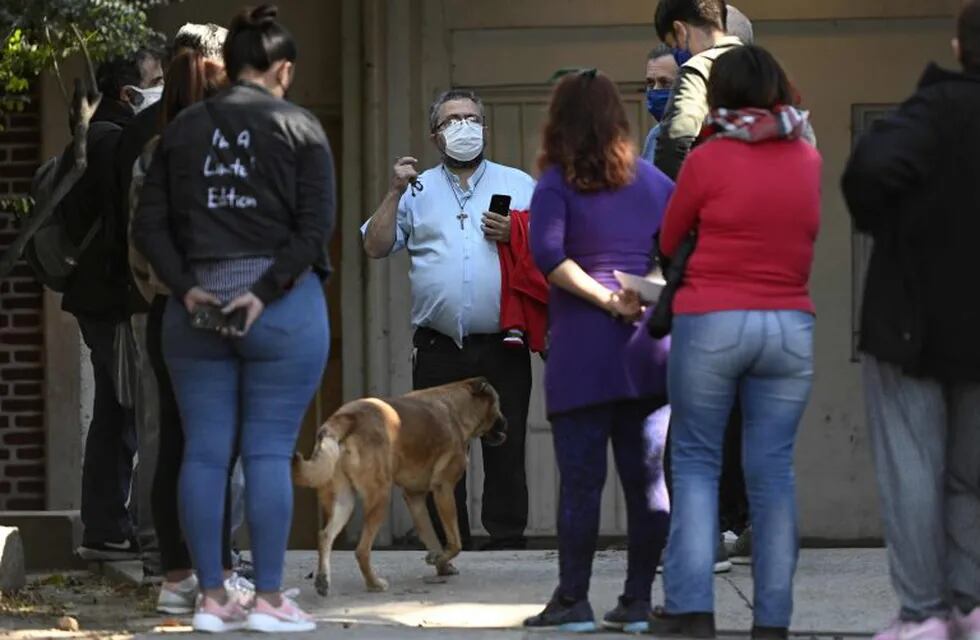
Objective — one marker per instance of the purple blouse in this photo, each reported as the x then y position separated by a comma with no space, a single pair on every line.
589,351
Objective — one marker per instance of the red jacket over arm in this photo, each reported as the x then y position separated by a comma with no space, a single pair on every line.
524,291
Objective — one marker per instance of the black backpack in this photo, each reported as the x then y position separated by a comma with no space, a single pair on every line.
51,252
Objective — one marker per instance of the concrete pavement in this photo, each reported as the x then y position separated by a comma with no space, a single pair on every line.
838,593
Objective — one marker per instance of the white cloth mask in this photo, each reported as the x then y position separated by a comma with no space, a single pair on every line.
147,97
464,140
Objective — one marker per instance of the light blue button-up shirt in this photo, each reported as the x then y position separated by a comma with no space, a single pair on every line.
650,144
455,270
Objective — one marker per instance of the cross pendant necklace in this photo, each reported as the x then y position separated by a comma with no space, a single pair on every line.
462,216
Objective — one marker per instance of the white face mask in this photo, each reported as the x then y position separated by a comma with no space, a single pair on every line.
464,140
146,97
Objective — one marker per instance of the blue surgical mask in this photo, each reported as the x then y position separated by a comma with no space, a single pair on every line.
657,100
681,56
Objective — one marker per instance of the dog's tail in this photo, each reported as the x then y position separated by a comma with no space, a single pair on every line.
319,469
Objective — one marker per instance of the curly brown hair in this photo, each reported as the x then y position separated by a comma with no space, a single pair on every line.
587,134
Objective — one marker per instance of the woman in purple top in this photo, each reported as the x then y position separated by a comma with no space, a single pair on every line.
596,209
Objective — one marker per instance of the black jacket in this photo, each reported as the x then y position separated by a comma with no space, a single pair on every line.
913,184
99,285
243,174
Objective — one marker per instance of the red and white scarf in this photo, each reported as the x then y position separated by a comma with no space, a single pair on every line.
756,125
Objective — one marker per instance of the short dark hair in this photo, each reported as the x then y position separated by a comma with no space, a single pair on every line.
968,33
748,76
449,96
698,13
660,51
256,39
114,74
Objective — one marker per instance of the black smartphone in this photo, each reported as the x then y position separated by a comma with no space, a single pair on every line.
208,318
500,204
211,318
236,320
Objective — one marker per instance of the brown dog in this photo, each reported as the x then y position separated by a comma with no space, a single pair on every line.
419,441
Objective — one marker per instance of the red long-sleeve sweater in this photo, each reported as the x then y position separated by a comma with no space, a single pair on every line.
756,211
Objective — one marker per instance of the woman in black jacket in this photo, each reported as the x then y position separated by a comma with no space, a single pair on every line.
234,217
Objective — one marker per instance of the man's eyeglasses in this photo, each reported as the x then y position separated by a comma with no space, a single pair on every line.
458,119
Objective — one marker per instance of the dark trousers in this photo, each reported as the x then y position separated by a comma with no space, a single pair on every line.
107,469
439,361
174,555
638,432
733,500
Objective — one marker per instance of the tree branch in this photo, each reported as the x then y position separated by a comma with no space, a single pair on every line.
93,83
56,66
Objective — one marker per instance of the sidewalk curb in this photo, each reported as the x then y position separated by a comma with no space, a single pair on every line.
126,572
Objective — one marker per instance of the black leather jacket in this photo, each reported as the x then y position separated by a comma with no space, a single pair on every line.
243,174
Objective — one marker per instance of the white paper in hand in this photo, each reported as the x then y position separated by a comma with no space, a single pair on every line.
648,288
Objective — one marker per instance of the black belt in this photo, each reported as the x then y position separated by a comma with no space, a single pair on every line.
425,334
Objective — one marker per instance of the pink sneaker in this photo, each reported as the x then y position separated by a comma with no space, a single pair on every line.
212,617
285,618
931,629
967,627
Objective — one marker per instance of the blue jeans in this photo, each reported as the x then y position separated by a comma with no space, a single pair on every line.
253,390
766,357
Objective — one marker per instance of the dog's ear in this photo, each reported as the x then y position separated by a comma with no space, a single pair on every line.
480,387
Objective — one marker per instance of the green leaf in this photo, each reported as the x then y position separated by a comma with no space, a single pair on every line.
109,28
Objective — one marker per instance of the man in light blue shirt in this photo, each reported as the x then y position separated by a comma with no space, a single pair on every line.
442,218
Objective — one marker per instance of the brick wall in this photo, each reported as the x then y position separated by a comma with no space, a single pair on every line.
22,438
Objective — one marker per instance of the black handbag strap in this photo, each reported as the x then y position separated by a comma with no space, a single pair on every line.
662,319
654,252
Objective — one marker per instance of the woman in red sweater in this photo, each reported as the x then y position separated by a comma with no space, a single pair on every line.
743,325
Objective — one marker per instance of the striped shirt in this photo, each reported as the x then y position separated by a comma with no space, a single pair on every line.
231,277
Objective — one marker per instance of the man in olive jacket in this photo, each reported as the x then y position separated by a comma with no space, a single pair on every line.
695,29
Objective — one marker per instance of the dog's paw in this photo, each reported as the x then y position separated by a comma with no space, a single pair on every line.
380,585
322,584
432,558
447,569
